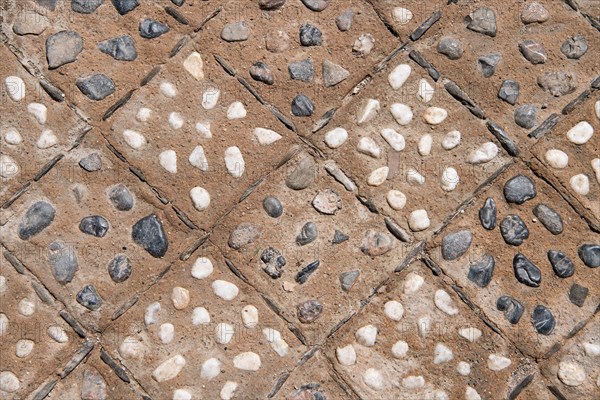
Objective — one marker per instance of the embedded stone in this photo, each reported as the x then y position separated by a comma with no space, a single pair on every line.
89,298
121,48
94,225
308,234
526,116
120,197
509,91
302,106
543,321
273,206
487,214
557,83
310,35
549,218
456,244
561,264
333,73
37,218
482,20
344,20
519,189
574,47
63,48
303,175
119,268
578,294
488,63
260,71
590,255
534,12
533,51
236,32
151,29
376,243
309,311
526,272
316,5
243,234
327,202
125,6
348,279
273,262
513,309
482,271
148,232
63,261
450,47
339,237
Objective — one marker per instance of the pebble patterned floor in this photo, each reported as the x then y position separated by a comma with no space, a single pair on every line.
299,200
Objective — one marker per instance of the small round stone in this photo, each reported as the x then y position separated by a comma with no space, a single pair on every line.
89,298
24,347
557,83
366,335
444,302
519,189
225,290
180,298
119,268
488,64
394,310
590,255
363,45
374,379
94,225
327,202
377,177
58,334
277,41
166,332
336,137
302,106
549,218
435,115
561,264
402,15
399,75
63,48
9,383
200,198
200,316
450,47
484,153
399,349
574,47
580,133
526,115
120,197
471,334
316,5
543,320
571,373
514,230
456,244
310,35
498,363
413,177
368,111
224,333
396,199
451,140
413,283
250,316
346,355
557,158
580,183
418,220
309,311
442,354
401,113
96,87
273,207
261,72
463,368
26,307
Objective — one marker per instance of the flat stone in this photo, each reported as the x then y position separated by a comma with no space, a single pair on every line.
148,232
533,51
344,20
309,311
125,6
303,70
348,279
456,244
487,214
376,243
119,268
302,106
261,72
482,271
85,6
534,12
571,373
91,163
363,45
178,3
526,272
310,35
578,294
327,202
236,32
561,264
243,234
333,73
513,309
47,4
37,218
169,369
519,189
543,321
89,298
120,197
450,47
273,206
526,116
303,275
590,255
339,237
120,48
303,175
509,91
557,83
549,218
63,261
482,20
488,63
308,234
316,5
277,41
574,47
96,87
513,229
94,225
151,29
63,48
29,22
271,5
273,262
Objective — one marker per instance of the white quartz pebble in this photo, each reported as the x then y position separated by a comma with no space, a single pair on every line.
277,343
451,140
596,167
374,379
194,65
463,368
4,324
151,313
203,128
9,382
396,199
378,176
368,146
166,332
413,382
571,373
484,153
393,310
202,268
24,347
444,302
168,160
424,325
418,220
228,390
47,139
266,136
401,113
346,355
580,183
26,307
234,161
168,89
180,297
580,133
3,285
58,334
402,15
413,283
134,139
143,114
8,166
210,98
15,87
225,290
591,349
211,368
497,363
394,139
442,354
169,368
247,361
413,177
132,348
425,143
399,75
440,395
250,316
368,112
182,394
399,349
39,111
12,136
557,158
425,91
470,333
198,158
176,120
367,335
336,137
236,110
435,115
449,179
200,316
471,394
200,197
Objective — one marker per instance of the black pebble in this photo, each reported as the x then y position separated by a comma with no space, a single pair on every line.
305,273
37,218
310,35
119,268
512,308
513,229
148,232
273,207
308,234
89,298
526,272
519,189
543,320
150,29
590,255
561,264
94,225
482,271
339,237
302,106
487,214
578,294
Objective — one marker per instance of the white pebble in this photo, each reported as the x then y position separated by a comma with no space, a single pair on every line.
440,395
393,310
435,115
279,345
399,349
444,302
211,368
176,120
580,133
591,349
24,347
15,87
471,394
396,199
228,390
442,354
336,137
424,325
210,98
399,75
169,369
198,159
394,139
367,335
401,113
266,136
597,109
203,128
374,379
236,110
580,183
346,355
26,307
470,333
497,363
413,283
202,268
168,160
234,161
39,111
168,89
58,334
47,139
369,147
3,285
180,297
200,316
418,220
200,197
425,91
8,166
225,290
413,382
368,112
247,361
134,139
132,348
12,136
450,179
378,176
484,153
166,332
413,177
143,114
250,316
4,325
151,313
571,374
364,44
182,394
557,158
402,15
194,65
224,333
463,368
596,167
451,140
9,382
425,144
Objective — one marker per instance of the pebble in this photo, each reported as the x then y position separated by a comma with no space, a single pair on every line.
557,83
534,12
29,22
533,51
514,230
444,302
224,333
310,35
63,48
148,232
271,5
250,316
482,20
9,382
396,199
37,218
526,116
488,64
225,290
151,313
166,333
120,197
442,354
333,73
557,158
463,368
402,15
482,271
236,32
307,234
58,334
590,255
399,75
561,264
363,45
549,218
132,348
513,309
303,175
348,279
89,298
273,207
180,298
91,163
194,65
200,316
378,176
366,335
302,106
413,382
471,334
413,283
94,225
125,6
200,198
456,244
26,307
228,390
519,189
121,48
277,41
85,6
339,237
424,145
15,87
176,120
234,161
574,47
376,243
596,167
368,146
4,324
24,348
236,110
418,220
202,268
47,139
580,133
336,137
273,261
471,394
169,368
450,47
487,214
63,261
302,70
261,72
327,202
580,183
119,268
277,343
3,285
374,379
369,110
346,355
198,158
134,139
402,114
266,136
393,310
12,136
578,294
210,369
543,321
509,91
399,349
151,29
497,363
571,373
344,20
435,115
309,311
39,112
425,91
591,349
210,98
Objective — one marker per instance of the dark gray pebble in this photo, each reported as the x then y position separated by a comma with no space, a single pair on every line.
450,47
120,48
119,268
37,218
306,272
574,47
96,87
543,320
456,244
526,272
519,189
310,35
348,279
561,264
273,262
124,6
89,298
121,197
302,106
590,255
303,70
482,271
63,48
488,63
526,116
487,214
148,232
63,261
339,237
308,234
509,91
94,225
309,311
85,6
513,229
150,29
91,163
513,309
549,218
482,20
578,294
273,206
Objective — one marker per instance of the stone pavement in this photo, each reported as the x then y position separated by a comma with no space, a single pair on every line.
299,199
